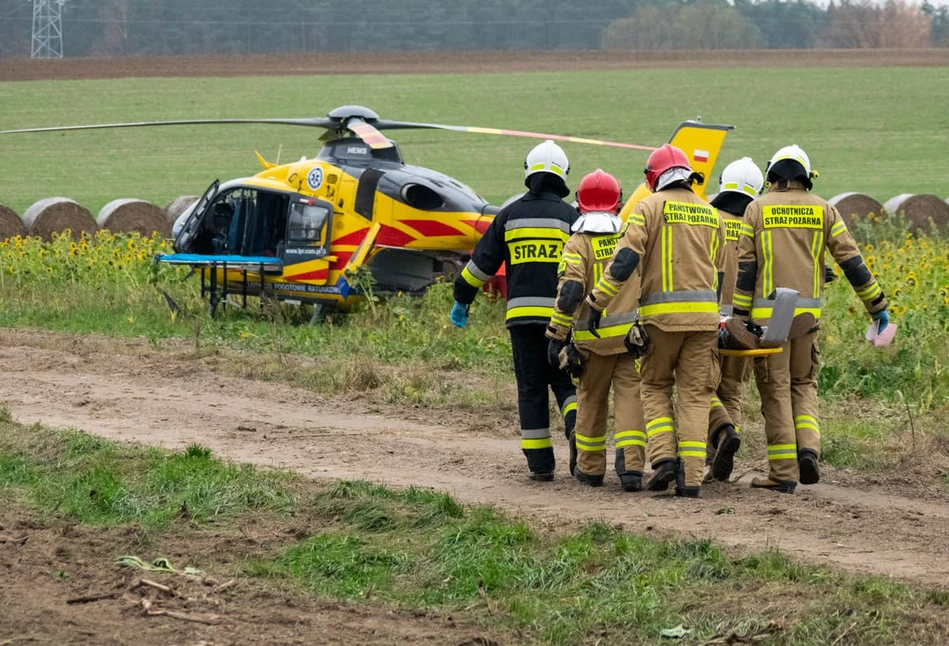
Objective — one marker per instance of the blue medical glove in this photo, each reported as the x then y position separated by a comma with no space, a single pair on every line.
459,314
882,318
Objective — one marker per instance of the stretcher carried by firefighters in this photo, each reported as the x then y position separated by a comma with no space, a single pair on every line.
740,339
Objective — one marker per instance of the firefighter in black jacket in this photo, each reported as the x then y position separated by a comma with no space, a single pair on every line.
528,237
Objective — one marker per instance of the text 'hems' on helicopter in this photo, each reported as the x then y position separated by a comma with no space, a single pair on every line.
296,232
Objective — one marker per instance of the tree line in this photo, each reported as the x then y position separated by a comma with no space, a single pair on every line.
186,27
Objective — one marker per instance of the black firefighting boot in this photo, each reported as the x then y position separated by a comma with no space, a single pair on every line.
807,463
726,442
774,485
590,481
664,472
682,491
632,481
572,439
541,464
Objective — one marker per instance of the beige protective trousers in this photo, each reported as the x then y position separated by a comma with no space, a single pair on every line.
593,393
727,401
687,361
787,383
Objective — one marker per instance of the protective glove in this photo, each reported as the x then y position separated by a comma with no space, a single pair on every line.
553,352
571,361
637,341
459,314
593,321
882,318
829,275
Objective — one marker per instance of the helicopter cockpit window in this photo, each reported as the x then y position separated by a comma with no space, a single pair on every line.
242,221
306,223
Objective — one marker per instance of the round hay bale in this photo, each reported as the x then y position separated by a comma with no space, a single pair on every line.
133,216
856,206
178,206
919,210
56,214
11,225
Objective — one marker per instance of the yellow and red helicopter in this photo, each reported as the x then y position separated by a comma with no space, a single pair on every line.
298,232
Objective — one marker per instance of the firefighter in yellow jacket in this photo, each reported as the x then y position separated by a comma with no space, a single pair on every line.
601,362
783,238
740,183
678,239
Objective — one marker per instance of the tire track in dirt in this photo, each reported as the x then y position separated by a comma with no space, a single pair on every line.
142,397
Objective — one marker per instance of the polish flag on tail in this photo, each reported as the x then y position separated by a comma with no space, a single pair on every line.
700,156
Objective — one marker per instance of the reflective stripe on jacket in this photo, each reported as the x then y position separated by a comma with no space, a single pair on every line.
528,236
585,257
678,239
732,224
783,238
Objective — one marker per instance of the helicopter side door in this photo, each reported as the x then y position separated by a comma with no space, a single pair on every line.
189,230
306,251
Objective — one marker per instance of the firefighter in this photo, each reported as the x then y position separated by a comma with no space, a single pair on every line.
528,237
783,238
739,184
602,361
679,239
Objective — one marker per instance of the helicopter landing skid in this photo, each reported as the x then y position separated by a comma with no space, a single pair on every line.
317,313
218,292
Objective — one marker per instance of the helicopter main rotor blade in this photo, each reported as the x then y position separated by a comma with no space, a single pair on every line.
408,125
369,134
316,122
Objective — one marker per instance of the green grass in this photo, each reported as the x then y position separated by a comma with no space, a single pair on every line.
97,482
420,550
862,445
871,130
589,583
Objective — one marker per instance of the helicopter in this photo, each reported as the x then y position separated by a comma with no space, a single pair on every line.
300,232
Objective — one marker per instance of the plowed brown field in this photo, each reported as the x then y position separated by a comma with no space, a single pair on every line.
456,63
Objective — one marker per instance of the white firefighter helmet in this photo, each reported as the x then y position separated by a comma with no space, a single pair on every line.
547,157
793,153
741,176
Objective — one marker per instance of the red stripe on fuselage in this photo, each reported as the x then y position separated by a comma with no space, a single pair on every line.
480,225
353,238
432,228
392,237
342,257
319,274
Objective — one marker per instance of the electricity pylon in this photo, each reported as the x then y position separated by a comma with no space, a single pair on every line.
47,29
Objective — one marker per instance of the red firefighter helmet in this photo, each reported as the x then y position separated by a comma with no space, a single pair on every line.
599,191
664,159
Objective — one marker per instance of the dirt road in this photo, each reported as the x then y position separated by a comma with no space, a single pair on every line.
129,391
455,63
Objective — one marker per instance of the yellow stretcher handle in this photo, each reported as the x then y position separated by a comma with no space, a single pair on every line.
759,352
